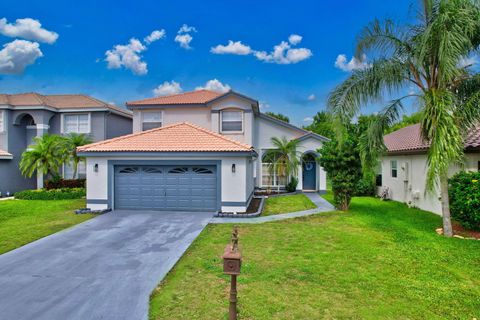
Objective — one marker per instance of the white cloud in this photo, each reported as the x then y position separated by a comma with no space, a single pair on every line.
308,119
236,47
354,64
127,56
184,40
27,28
167,88
311,97
186,29
264,105
284,54
215,85
295,39
466,62
17,55
154,36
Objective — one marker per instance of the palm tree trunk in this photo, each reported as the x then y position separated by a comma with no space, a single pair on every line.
447,222
75,168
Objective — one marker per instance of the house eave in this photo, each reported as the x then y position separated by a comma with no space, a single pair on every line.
116,154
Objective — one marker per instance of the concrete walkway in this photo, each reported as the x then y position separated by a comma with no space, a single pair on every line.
105,268
322,206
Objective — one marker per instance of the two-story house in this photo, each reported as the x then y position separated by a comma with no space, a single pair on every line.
198,150
25,116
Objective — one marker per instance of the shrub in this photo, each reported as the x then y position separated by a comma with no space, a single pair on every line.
292,184
53,194
364,187
61,183
464,194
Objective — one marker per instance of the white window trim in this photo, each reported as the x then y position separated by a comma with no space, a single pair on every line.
242,117
62,121
162,122
391,168
2,121
274,174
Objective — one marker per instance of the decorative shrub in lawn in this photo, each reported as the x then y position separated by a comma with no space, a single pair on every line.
64,183
292,184
364,187
464,193
52,194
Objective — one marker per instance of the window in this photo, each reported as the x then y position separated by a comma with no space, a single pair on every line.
232,121
151,120
81,171
393,167
78,123
272,175
2,121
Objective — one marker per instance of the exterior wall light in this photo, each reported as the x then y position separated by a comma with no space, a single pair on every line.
233,168
95,167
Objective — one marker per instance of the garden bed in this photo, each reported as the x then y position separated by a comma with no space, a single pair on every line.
272,193
254,210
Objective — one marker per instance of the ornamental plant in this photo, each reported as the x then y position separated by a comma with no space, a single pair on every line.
464,191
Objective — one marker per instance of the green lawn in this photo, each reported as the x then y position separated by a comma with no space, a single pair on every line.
284,204
23,221
381,260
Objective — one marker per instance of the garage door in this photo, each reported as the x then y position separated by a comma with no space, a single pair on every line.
179,188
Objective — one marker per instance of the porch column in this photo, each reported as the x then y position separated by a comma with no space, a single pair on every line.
41,130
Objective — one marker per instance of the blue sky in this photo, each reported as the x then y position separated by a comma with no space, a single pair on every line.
74,62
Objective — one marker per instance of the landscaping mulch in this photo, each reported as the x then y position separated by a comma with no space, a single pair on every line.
254,205
460,232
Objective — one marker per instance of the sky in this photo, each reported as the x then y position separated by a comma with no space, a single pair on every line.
288,55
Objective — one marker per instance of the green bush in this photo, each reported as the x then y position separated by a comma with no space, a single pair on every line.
292,184
364,187
464,193
53,194
65,183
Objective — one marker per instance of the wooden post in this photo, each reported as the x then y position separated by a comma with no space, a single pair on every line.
232,262
233,298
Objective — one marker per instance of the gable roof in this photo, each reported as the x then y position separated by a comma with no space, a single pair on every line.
58,102
303,134
178,137
409,139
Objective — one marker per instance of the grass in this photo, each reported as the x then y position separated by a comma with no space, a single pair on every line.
284,204
23,221
381,260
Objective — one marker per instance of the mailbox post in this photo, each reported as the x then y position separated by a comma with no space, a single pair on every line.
232,262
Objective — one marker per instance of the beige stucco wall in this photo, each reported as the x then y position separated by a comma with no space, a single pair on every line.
410,185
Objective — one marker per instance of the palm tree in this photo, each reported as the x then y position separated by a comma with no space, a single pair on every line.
284,159
429,56
45,155
75,140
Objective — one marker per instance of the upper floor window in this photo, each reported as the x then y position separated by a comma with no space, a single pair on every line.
232,121
78,123
2,121
151,120
393,168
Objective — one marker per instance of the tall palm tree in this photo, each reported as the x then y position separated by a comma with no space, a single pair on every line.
284,159
75,140
429,56
45,155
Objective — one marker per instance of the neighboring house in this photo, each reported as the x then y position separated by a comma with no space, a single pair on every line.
404,168
202,151
25,116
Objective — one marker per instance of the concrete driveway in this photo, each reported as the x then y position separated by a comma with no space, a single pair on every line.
105,268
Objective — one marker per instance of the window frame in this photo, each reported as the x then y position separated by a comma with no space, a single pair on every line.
151,112
242,119
70,165
89,124
274,177
392,168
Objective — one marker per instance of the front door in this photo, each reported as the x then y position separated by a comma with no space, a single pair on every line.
309,175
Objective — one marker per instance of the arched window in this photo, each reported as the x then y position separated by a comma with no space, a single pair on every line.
272,173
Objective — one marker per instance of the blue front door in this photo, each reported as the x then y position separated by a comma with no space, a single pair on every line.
309,175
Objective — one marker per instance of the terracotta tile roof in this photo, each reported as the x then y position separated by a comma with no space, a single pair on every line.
178,137
58,101
192,97
4,153
409,139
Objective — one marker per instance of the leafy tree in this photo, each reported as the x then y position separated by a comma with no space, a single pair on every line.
278,116
323,124
284,159
341,162
46,154
406,121
427,55
75,140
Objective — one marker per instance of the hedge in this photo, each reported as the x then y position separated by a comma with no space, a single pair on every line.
464,194
53,194
65,183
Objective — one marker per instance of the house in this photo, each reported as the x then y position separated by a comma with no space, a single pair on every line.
25,116
404,167
199,150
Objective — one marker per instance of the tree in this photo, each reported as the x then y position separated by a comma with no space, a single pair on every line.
278,116
322,124
407,120
428,55
341,162
75,140
47,154
284,159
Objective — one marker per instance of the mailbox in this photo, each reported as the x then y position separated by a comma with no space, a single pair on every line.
232,261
